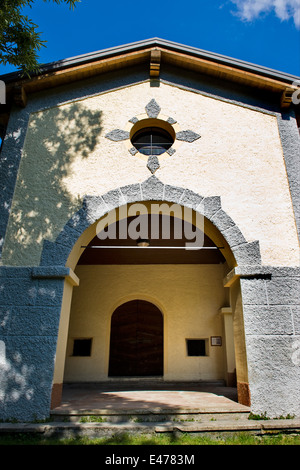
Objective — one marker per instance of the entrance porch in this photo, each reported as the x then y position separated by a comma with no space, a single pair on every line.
149,400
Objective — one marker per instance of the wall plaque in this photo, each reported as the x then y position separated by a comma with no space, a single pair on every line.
216,340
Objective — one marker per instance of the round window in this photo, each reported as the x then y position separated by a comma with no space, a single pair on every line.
152,140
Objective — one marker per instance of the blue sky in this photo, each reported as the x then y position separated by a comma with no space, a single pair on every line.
264,32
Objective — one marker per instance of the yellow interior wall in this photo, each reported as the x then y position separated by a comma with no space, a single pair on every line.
189,297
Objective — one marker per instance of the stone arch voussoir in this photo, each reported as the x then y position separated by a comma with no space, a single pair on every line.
152,189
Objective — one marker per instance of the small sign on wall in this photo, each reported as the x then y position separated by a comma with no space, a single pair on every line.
216,340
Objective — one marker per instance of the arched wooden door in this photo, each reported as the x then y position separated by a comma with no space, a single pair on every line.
136,340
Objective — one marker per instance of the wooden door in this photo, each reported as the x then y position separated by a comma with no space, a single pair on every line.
136,340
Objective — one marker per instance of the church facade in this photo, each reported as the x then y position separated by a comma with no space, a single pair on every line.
150,227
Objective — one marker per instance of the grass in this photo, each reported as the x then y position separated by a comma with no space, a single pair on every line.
161,439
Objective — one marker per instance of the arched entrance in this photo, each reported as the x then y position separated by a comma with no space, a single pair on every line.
222,232
136,340
124,288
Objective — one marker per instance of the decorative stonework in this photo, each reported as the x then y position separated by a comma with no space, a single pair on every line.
171,151
133,151
153,163
153,111
117,135
95,207
133,120
187,136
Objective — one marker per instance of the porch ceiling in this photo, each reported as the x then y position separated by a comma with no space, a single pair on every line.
160,250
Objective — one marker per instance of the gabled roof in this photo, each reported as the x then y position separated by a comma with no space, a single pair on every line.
153,53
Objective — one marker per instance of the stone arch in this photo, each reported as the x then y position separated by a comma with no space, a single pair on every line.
63,254
238,251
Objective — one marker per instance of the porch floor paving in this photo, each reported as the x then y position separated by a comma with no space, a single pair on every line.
166,407
150,396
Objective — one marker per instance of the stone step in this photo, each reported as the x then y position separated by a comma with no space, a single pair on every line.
144,416
225,425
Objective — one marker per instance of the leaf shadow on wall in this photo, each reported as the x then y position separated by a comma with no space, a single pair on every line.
42,204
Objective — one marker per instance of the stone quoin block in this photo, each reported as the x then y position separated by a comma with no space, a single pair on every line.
273,375
234,236
173,193
54,253
131,193
29,321
254,291
247,254
152,189
94,207
283,290
295,312
222,221
268,320
190,199
113,199
210,205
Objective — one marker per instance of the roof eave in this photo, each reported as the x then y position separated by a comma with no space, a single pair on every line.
85,65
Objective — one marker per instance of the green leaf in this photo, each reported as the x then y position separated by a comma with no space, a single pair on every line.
19,39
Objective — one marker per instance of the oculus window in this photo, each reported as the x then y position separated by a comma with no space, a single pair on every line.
152,140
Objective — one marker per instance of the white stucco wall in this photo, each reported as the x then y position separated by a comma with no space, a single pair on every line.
67,156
